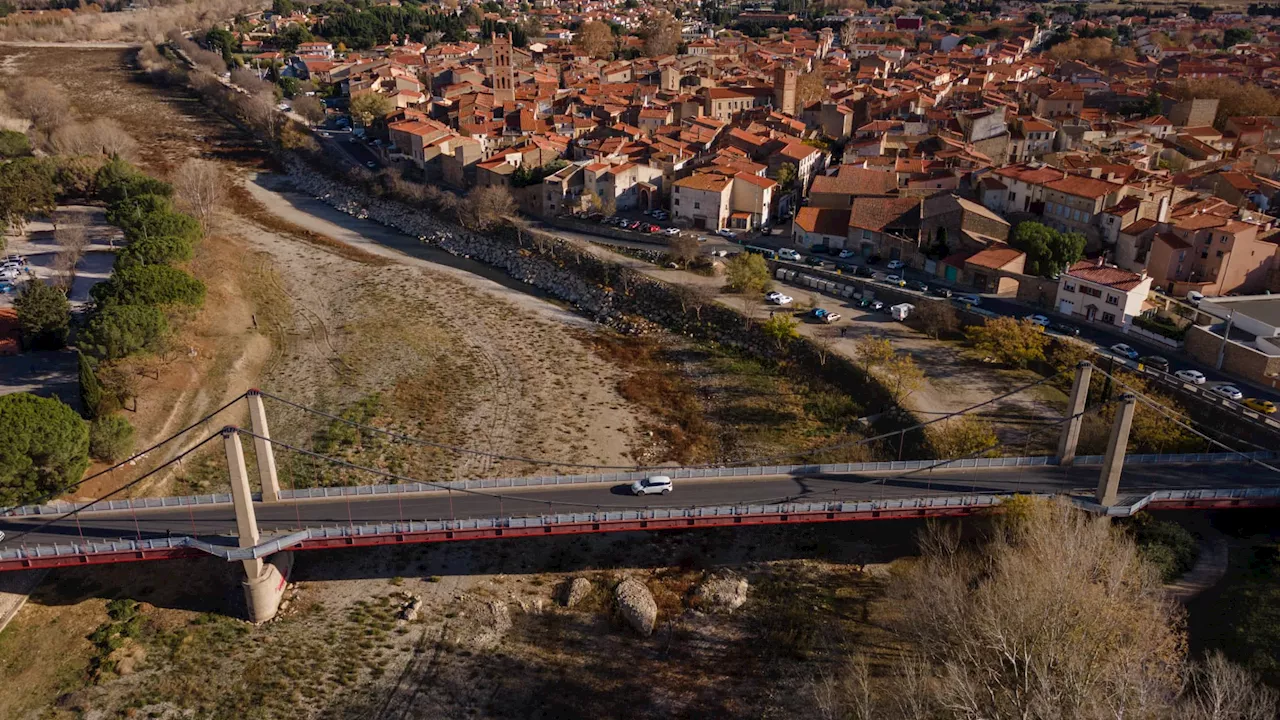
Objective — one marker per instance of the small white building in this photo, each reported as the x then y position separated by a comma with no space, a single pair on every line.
1102,293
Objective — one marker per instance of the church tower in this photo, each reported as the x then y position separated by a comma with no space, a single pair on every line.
784,90
502,78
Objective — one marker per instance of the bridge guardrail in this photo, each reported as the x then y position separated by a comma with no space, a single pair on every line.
59,508
608,516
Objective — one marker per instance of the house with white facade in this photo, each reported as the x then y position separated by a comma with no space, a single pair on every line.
1102,293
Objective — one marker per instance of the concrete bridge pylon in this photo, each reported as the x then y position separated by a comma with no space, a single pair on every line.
266,579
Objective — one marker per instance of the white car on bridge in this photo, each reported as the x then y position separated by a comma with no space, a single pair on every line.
654,485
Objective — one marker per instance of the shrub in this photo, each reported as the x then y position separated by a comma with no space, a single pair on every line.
747,273
44,314
149,285
118,331
44,446
110,438
1016,343
1171,548
14,144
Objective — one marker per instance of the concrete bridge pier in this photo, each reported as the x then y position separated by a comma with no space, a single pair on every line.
1113,463
1070,436
265,579
262,447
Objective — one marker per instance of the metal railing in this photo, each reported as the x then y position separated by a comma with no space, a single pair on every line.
59,508
604,518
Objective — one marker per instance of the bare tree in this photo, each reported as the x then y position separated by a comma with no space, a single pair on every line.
101,136
311,109
200,187
683,249
44,103
936,318
1093,637
487,206
1221,690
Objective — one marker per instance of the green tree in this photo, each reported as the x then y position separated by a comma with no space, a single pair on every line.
44,315
117,180
145,216
1015,343
153,251
291,37
1235,36
1049,252
781,329
110,438
370,106
26,188
871,352
149,285
960,436
118,331
288,86
222,42
90,388
747,273
787,177
14,144
44,447
283,7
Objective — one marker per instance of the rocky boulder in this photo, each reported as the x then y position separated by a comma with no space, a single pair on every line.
721,592
636,605
576,591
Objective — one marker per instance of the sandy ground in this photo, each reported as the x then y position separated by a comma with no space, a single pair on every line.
502,370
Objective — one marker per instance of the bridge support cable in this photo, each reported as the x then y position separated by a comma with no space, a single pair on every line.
744,462
1183,422
131,459
76,512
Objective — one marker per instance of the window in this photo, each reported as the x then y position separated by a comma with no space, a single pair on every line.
697,206
1219,253
866,234
1069,286
676,202
1182,256
1113,299
1223,239
1012,196
1108,318
1092,292
1048,207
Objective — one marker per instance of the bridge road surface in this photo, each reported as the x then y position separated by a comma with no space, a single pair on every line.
210,521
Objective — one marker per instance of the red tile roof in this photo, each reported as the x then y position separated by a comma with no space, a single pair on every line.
1112,277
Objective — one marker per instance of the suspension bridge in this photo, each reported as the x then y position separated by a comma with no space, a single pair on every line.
261,529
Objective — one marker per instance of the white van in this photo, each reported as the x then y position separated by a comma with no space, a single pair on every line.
789,254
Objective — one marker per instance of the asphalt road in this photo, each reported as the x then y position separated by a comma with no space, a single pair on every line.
279,518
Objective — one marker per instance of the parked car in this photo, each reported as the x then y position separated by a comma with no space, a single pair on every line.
1155,362
671,231
1195,377
873,260
1040,320
864,271
896,265
778,298
1124,351
918,286
895,280
725,232
973,300
814,260
654,485
1064,329
846,254
789,254
371,165
1230,392
942,292
1194,298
